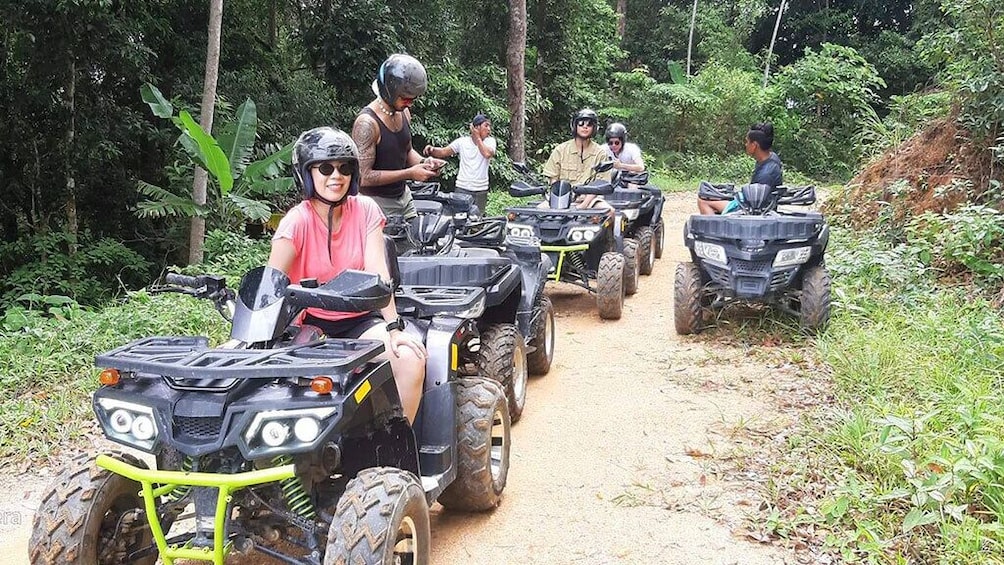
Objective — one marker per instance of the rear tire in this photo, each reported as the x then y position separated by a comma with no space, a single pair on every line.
610,286
630,266
539,362
502,358
646,250
687,311
483,447
660,240
815,300
77,520
381,518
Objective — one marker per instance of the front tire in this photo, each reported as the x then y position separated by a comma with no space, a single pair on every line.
610,286
631,266
646,250
382,518
815,299
502,358
687,311
482,449
539,362
79,519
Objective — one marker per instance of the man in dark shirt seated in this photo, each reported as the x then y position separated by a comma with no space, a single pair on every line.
759,140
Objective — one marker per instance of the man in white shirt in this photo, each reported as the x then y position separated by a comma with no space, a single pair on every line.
475,151
626,156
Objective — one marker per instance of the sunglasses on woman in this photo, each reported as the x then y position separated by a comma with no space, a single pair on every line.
614,142
344,169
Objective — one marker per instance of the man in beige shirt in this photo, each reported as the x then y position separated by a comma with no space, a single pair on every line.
574,159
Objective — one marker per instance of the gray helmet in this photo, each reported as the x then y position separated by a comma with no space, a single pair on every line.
323,144
616,129
583,114
400,76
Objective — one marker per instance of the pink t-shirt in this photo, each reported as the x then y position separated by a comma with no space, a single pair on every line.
306,229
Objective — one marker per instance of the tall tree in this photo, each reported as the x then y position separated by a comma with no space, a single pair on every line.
198,231
621,17
516,79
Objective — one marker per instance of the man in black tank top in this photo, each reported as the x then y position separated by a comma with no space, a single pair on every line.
382,131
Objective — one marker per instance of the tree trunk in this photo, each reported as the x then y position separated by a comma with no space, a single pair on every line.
69,102
621,17
197,239
773,38
515,60
690,42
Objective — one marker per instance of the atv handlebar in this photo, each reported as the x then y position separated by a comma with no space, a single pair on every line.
709,191
797,195
594,187
207,287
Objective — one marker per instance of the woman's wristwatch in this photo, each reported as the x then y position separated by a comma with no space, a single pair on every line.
397,324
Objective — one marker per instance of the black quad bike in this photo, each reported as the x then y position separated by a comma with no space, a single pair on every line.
586,247
641,205
759,253
277,442
517,327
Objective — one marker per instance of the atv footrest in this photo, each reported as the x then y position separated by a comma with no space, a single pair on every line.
434,459
191,357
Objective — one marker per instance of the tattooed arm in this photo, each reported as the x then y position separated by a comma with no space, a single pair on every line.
366,134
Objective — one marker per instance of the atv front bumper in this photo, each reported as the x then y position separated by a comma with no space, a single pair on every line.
159,483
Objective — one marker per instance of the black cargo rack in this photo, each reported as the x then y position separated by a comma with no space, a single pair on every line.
191,357
428,301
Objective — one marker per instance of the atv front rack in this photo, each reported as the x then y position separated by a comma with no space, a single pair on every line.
192,358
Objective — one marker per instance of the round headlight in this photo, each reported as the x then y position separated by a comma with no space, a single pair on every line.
274,434
576,235
143,428
526,232
306,429
121,421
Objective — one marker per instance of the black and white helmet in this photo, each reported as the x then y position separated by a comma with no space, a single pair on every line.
400,76
616,130
323,144
583,114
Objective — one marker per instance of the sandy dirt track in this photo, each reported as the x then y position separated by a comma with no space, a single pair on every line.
611,462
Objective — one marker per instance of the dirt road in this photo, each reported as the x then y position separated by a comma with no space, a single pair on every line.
615,459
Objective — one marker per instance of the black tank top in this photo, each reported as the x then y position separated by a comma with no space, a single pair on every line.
391,155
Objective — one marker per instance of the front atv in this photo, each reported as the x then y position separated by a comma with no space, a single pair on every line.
277,436
760,254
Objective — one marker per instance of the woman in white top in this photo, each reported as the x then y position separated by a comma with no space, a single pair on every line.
626,156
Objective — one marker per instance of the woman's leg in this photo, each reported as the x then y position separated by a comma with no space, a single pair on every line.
408,369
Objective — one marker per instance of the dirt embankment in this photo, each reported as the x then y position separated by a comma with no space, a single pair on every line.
936,170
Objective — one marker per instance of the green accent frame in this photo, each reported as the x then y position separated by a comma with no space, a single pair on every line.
561,250
171,480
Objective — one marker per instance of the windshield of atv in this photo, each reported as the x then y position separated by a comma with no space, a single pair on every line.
262,286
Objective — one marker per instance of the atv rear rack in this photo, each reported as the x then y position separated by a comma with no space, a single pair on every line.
428,301
192,358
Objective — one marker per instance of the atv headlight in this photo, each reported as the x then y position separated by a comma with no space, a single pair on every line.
520,230
128,423
631,214
711,252
275,431
794,256
584,234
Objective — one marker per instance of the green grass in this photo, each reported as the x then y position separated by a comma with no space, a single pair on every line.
911,456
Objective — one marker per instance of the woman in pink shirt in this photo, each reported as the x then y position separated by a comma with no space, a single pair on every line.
335,229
